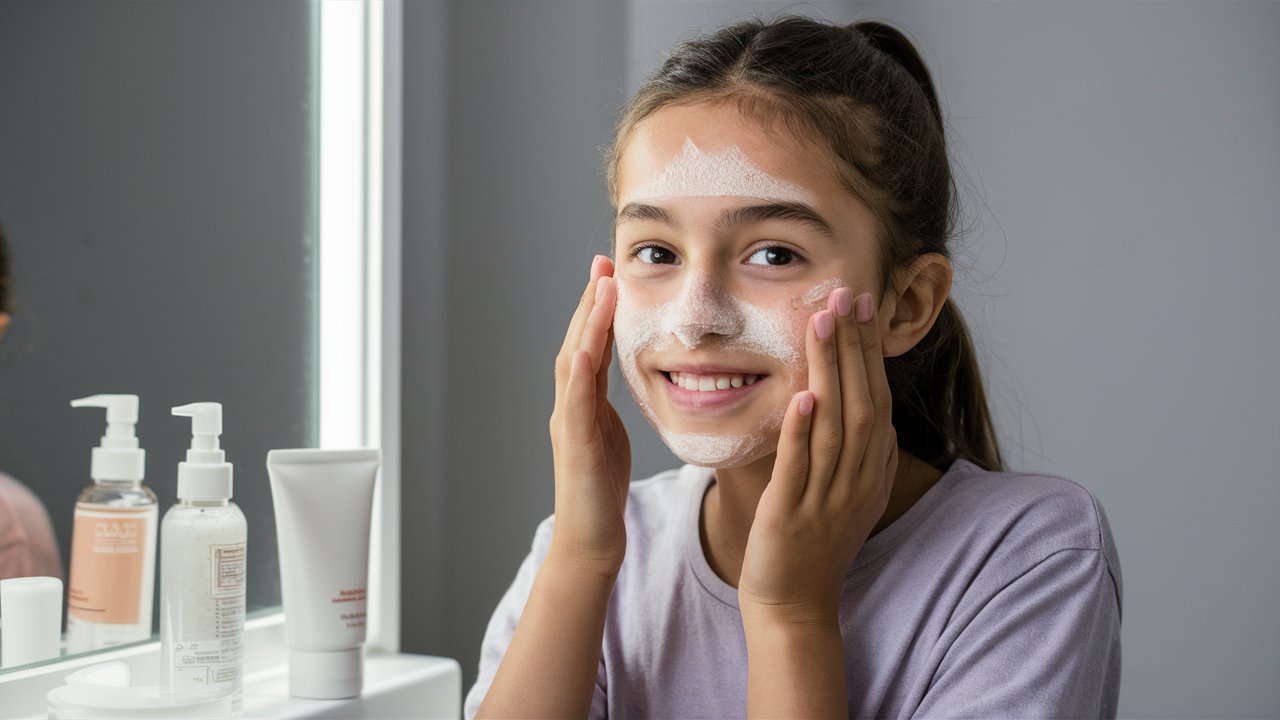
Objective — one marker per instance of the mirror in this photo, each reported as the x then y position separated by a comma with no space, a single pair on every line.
158,196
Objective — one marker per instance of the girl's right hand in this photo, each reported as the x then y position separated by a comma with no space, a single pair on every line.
590,447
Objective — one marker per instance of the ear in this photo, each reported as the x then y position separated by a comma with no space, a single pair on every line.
911,306
4,323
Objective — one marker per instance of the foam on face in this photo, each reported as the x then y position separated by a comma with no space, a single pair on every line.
694,173
702,307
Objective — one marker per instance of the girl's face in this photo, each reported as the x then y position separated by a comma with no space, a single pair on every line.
728,237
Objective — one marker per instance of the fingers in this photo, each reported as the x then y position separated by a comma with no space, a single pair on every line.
600,267
579,406
791,469
851,440
826,437
859,412
596,333
882,443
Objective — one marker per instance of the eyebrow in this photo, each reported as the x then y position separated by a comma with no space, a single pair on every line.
734,217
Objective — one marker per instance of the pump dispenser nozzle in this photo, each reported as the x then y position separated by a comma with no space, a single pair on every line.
206,475
117,456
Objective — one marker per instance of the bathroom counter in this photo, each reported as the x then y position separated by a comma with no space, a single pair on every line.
396,685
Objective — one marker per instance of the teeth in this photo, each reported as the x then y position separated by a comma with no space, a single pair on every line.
708,383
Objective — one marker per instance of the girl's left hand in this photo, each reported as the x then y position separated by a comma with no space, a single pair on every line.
837,457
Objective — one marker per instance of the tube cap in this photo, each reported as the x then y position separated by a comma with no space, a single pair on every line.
322,675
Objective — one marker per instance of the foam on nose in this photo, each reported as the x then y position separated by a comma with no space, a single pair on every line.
704,307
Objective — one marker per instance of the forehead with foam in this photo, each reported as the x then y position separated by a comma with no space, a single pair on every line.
729,172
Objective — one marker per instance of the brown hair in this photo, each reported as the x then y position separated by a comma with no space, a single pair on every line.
864,92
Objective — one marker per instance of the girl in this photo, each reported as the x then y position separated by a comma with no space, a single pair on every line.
844,539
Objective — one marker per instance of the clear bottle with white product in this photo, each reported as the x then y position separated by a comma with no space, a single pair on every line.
113,541
202,569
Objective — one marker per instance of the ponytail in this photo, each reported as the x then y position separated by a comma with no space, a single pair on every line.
942,371
890,41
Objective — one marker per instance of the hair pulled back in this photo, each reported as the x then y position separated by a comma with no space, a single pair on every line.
863,91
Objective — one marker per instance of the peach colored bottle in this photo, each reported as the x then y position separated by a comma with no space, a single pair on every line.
113,541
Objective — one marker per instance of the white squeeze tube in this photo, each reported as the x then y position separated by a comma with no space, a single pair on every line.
324,507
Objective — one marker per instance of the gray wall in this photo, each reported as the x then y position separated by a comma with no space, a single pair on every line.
155,184
1121,168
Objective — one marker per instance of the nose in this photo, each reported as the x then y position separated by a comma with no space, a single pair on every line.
703,308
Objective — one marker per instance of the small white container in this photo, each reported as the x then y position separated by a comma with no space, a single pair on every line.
30,620
103,691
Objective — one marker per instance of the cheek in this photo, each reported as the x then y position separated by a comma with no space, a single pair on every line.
636,324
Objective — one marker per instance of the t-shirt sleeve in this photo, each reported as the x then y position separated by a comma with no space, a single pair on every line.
503,625
1045,645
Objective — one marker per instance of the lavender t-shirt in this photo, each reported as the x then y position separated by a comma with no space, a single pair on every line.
995,595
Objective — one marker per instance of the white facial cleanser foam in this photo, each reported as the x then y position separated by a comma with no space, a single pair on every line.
324,505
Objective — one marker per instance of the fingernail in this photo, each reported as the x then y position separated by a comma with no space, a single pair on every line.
844,301
600,288
805,406
595,261
824,324
862,311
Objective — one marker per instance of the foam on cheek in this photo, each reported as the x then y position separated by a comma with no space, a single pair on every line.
818,293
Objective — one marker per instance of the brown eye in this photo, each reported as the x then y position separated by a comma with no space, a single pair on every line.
772,256
655,255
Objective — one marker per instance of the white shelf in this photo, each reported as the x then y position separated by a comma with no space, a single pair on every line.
395,684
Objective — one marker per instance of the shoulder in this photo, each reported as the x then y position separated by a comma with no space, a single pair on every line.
1059,512
1022,517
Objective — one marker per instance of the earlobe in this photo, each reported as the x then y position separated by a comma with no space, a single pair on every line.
912,306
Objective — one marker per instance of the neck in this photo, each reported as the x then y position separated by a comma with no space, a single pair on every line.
730,507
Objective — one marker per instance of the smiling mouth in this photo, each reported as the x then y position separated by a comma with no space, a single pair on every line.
711,382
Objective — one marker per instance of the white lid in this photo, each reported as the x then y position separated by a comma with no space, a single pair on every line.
118,456
205,475
30,620
103,691
326,675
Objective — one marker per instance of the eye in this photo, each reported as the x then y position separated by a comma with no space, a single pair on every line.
654,255
773,255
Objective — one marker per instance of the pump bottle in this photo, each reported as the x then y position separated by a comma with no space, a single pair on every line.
202,569
113,541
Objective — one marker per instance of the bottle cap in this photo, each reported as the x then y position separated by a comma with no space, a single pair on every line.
205,475
118,456
326,675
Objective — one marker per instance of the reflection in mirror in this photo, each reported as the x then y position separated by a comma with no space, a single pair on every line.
157,194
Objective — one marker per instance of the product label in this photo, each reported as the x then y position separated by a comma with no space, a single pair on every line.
352,605
107,556
215,662
199,665
226,570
